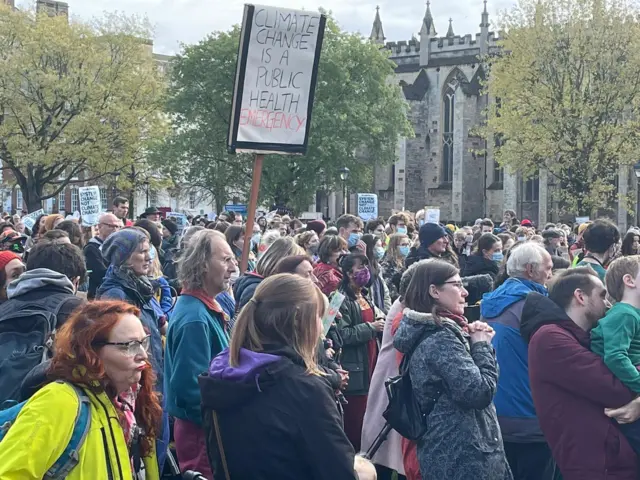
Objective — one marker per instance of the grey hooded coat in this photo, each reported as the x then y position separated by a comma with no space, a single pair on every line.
463,439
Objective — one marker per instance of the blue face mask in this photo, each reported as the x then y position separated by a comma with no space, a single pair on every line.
152,253
404,250
497,257
402,230
353,239
379,252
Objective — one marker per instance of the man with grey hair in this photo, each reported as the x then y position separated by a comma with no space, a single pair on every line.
198,332
108,223
529,268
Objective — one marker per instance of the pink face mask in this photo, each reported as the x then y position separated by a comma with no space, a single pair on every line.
362,277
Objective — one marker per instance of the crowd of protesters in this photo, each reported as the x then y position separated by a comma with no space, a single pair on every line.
140,349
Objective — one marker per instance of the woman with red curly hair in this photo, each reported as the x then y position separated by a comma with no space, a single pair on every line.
102,350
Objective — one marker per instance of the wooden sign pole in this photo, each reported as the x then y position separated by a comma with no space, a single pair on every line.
251,212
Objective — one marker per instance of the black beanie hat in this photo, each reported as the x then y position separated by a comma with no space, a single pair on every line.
431,233
170,225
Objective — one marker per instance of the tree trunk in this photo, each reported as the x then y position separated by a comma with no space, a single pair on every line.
219,204
31,199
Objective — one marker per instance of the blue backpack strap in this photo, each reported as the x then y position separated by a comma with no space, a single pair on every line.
8,417
70,457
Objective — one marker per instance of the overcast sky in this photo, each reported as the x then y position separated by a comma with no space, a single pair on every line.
188,21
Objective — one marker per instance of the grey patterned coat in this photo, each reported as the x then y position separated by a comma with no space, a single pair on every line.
463,440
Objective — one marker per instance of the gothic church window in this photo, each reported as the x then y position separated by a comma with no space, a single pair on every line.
447,131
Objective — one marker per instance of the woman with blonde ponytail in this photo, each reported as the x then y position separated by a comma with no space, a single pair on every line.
265,398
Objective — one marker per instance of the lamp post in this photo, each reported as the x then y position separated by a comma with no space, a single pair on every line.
146,184
344,175
114,185
636,170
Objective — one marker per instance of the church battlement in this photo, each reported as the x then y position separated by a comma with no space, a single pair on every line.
432,47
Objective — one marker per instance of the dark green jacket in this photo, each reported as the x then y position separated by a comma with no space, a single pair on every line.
355,336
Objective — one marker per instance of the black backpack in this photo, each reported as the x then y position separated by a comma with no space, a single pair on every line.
26,340
403,412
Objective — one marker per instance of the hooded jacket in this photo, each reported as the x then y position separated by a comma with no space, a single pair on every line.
45,289
571,387
96,265
245,287
116,288
43,429
275,420
502,309
463,439
479,265
329,277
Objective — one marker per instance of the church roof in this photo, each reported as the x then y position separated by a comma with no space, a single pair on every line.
418,89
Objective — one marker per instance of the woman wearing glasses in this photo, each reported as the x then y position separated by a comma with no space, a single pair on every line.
451,356
101,355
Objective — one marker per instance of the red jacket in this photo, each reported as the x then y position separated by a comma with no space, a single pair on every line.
329,277
571,387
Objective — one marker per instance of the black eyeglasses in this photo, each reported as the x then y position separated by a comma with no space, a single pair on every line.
131,348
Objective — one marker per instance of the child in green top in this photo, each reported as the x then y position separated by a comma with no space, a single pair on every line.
616,338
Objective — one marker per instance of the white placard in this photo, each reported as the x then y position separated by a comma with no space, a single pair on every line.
581,220
432,214
275,79
90,205
367,206
29,219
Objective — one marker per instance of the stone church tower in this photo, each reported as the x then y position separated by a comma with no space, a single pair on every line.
441,77
443,166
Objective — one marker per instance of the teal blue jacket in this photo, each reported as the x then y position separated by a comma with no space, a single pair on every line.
196,334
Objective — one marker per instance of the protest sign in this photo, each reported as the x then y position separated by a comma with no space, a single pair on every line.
432,214
276,75
581,220
180,219
334,307
367,206
90,205
29,219
237,208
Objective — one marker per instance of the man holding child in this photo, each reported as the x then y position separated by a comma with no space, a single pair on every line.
582,370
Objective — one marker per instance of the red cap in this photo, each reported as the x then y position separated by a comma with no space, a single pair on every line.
5,257
526,223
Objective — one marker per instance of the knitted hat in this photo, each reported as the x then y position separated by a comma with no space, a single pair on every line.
551,233
317,226
170,225
6,257
50,220
451,227
583,227
431,233
119,247
526,223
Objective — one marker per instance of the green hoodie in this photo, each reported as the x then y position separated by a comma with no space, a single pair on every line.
616,339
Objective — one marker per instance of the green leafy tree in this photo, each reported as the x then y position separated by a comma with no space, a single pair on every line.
356,109
77,101
569,96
